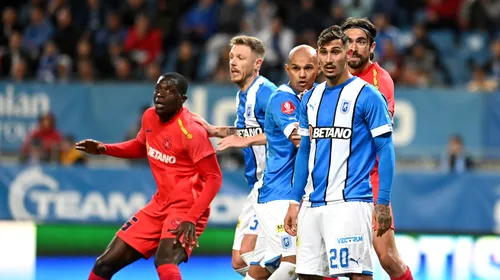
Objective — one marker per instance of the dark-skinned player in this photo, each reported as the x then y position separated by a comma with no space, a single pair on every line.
188,177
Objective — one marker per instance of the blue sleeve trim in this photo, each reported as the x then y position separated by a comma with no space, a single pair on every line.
386,167
301,170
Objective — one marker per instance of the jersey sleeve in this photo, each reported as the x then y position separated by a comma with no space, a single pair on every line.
386,87
283,108
303,120
262,99
196,143
376,112
141,135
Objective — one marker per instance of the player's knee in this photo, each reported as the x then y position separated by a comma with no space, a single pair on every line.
238,263
170,257
105,266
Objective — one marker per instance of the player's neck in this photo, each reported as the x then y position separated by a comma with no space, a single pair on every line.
340,79
361,69
165,119
248,82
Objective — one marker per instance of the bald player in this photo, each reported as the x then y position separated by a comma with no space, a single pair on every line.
275,249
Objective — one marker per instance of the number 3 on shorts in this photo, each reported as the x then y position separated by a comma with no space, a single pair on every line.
340,257
254,224
130,222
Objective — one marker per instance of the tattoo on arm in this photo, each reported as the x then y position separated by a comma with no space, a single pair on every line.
224,131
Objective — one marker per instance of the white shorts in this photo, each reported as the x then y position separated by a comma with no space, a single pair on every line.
335,240
273,241
247,221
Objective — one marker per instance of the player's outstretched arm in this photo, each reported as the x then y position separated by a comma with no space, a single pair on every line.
214,131
128,149
235,141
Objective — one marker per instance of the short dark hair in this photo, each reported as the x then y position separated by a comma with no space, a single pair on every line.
332,33
182,82
363,24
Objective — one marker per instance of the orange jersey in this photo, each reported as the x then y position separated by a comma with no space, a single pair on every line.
378,77
173,149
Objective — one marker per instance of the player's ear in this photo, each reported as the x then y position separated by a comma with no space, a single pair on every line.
184,98
372,47
258,63
287,68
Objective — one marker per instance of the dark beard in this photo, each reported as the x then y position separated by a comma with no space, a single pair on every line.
356,65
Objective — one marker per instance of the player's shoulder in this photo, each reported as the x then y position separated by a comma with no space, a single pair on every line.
265,85
369,93
381,73
189,127
148,114
316,87
283,91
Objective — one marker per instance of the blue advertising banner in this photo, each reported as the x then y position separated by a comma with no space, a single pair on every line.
467,203
424,119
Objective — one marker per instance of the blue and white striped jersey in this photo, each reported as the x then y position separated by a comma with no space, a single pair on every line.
282,117
251,110
341,122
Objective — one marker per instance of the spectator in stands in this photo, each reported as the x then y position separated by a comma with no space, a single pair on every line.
142,42
187,61
85,70
279,40
153,72
494,63
480,82
107,62
357,8
92,15
391,61
19,71
424,62
9,25
306,17
385,32
113,31
443,14
167,16
130,10
68,155
34,155
67,33
39,31
47,67
48,135
55,7
200,22
229,16
456,160
123,68
12,54
480,15
64,68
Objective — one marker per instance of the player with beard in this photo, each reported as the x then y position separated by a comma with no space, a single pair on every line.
245,59
188,177
362,33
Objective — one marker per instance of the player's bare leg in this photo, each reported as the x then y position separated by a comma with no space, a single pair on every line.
360,277
387,253
310,277
168,257
257,272
241,258
118,255
286,269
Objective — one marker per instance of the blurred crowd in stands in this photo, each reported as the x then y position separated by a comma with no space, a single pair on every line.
422,43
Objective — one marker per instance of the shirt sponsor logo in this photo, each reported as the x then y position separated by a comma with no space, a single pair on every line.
330,132
153,153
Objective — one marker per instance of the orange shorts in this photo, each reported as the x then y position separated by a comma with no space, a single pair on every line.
144,231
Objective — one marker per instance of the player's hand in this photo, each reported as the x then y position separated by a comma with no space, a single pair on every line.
291,219
383,218
208,127
91,146
187,231
232,141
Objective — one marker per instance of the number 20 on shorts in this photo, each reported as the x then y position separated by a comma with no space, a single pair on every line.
339,257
